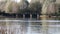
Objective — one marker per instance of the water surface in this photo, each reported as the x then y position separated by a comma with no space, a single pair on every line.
46,25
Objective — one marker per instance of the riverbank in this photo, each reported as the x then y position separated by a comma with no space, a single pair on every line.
28,16
48,16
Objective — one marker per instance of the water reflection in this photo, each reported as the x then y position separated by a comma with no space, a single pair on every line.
50,27
28,27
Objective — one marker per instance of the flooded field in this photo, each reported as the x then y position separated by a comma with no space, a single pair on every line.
46,25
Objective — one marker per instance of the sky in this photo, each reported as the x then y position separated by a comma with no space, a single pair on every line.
29,1
19,0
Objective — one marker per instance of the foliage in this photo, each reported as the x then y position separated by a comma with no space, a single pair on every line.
24,4
35,7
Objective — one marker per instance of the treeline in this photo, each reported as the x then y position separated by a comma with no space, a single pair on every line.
23,7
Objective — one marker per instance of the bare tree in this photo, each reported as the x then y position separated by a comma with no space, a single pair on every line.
2,5
48,7
11,7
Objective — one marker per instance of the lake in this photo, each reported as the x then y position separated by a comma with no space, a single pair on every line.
44,25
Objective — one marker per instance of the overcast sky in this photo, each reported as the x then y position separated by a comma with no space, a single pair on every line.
17,0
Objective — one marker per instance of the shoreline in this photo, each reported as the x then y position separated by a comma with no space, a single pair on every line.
22,17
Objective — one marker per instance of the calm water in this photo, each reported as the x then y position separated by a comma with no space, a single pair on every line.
45,25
